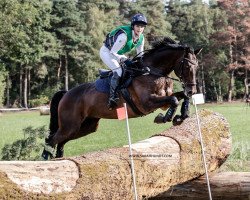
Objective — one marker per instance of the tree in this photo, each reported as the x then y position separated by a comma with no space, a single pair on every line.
192,23
23,36
67,26
233,36
99,17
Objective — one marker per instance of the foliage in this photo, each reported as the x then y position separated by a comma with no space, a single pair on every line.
194,23
55,44
26,148
42,100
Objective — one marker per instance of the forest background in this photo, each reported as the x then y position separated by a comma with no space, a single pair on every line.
48,45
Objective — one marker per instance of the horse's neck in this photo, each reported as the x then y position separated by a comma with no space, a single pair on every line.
163,61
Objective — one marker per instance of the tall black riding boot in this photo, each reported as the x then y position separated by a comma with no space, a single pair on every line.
113,96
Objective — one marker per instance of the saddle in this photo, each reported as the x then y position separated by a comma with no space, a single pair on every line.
130,70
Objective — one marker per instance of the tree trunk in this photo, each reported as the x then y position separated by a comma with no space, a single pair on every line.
201,88
59,70
203,81
246,95
29,93
8,91
220,92
215,90
25,89
21,87
66,72
231,86
224,186
164,160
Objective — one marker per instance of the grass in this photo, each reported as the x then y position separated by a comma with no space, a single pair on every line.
238,116
112,133
12,124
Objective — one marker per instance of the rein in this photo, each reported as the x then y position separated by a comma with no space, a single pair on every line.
152,70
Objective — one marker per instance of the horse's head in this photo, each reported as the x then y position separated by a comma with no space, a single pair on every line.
185,68
168,55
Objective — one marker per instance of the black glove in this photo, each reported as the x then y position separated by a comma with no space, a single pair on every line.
128,62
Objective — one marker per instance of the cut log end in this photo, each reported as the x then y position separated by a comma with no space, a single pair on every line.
44,110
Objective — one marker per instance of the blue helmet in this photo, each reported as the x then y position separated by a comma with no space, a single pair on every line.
138,19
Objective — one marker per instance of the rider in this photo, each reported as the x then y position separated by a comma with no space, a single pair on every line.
118,42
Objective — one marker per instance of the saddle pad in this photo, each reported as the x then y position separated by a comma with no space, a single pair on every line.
102,85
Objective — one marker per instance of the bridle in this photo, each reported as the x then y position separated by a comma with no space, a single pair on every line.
180,70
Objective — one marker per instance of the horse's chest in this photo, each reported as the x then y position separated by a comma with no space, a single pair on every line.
162,87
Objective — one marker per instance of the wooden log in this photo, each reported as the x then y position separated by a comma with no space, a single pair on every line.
164,160
224,186
44,110
3,110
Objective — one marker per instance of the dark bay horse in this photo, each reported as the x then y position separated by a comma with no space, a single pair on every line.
77,112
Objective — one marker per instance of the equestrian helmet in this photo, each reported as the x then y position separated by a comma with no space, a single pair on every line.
139,19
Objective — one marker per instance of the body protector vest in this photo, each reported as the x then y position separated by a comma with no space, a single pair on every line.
129,45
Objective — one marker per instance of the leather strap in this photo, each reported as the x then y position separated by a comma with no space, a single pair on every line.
126,95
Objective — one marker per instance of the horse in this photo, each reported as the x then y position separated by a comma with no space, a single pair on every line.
76,113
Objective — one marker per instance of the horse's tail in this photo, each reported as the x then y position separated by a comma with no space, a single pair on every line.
53,126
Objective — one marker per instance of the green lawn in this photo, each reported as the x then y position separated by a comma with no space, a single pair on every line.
112,133
11,125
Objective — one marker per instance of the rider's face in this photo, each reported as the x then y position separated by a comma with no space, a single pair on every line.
138,29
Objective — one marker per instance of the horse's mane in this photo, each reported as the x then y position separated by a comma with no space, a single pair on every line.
165,43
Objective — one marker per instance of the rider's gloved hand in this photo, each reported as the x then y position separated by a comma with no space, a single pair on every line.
122,58
128,62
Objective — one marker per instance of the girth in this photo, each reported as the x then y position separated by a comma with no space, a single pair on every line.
127,97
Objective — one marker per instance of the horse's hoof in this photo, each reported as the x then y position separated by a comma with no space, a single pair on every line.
177,120
46,155
159,119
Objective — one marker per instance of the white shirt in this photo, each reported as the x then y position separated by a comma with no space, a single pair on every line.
120,43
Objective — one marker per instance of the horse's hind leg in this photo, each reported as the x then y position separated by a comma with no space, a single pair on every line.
48,149
60,149
89,125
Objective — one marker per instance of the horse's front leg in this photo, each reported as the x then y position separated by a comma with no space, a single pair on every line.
168,117
173,100
178,119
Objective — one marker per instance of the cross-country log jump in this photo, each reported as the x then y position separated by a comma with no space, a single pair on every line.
162,161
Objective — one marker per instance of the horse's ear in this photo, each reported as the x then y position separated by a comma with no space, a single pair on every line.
197,51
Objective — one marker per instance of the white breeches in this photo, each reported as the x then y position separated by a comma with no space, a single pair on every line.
110,60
